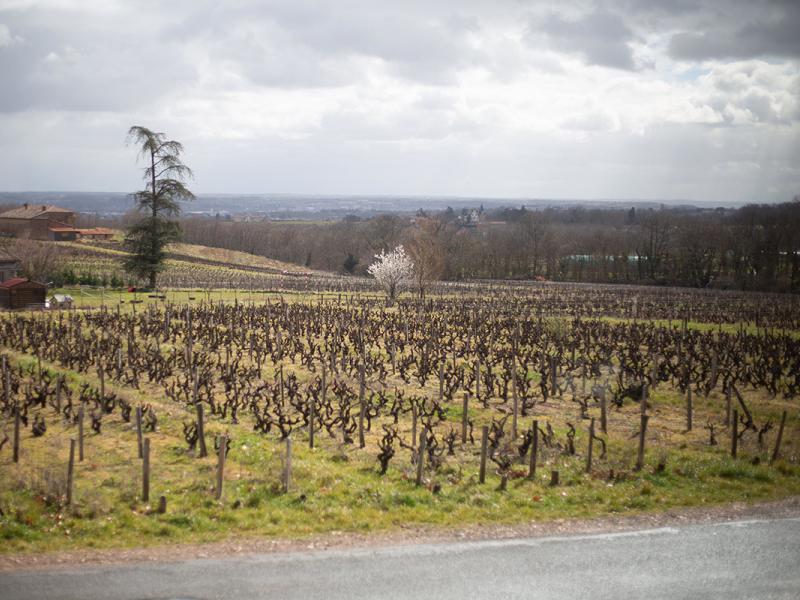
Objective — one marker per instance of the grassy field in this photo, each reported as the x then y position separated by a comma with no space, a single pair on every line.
338,488
86,297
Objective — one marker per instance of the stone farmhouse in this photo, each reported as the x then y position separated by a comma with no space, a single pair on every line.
46,222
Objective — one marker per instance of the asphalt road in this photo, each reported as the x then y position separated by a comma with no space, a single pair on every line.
745,559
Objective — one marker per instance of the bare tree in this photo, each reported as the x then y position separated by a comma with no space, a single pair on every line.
535,230
652,244
700,246
383,232
427,251
39,261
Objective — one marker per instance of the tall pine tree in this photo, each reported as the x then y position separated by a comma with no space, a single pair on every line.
158,204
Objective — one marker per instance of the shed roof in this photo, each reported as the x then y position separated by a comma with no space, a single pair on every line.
14,282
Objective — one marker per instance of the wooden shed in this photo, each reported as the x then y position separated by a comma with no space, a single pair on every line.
22,293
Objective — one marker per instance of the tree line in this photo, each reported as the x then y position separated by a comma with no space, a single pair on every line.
754,247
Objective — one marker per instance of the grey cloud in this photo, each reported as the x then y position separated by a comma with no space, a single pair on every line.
760,106
772,33
295,44
75,67
600,37
704,29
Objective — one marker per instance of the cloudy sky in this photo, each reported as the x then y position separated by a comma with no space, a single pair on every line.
643,99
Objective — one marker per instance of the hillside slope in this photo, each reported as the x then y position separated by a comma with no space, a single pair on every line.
187,266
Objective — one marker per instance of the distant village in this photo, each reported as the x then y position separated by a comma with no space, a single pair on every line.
43,222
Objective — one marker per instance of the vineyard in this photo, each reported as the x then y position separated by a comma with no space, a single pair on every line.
323,412
187,266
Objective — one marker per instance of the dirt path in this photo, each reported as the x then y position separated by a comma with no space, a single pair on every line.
789,507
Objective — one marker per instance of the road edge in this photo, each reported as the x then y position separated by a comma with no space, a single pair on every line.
404,536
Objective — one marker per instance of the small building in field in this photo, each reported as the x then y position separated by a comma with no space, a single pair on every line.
21,293
61,301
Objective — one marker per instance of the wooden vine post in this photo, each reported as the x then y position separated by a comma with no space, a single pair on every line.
287,466
139,430
554,478
201,432
515,400
146,470
70,471
534,449
464,417
413,426
484,448
80,434
6,382
441,379
59,383
362,407
776,451
223,445
423,440
728,392
16,433
478,379
642,432
603,411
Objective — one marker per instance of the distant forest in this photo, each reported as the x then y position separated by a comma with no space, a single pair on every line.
753,247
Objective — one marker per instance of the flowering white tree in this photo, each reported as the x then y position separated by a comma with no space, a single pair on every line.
392,270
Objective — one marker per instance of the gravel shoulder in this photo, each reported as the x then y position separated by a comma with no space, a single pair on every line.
786,508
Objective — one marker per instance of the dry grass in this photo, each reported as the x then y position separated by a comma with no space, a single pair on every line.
232,258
